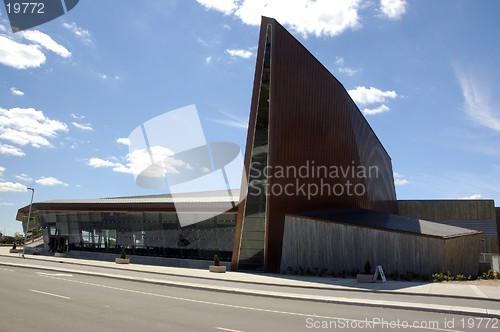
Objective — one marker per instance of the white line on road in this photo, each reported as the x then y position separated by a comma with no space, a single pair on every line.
62,297
223,329
233,306
7,270
56,274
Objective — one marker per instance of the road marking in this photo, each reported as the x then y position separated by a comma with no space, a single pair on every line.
478,291
223,329
62,297
7,270
234,306
56,274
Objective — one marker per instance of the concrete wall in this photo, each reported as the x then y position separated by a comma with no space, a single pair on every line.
311,243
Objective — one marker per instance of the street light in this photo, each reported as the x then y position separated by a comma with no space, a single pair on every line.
27,224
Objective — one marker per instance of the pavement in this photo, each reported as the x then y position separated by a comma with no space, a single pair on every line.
251,284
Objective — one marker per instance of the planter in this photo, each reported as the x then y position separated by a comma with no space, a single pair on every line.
364,277
13,251
217,268
122,260
59,254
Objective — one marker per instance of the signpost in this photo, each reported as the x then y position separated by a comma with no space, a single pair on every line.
378,270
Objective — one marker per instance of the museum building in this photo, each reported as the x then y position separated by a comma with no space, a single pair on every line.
318,192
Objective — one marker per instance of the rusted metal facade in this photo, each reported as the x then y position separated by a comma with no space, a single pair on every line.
313,124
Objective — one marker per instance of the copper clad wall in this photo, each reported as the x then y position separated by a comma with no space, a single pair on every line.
310,123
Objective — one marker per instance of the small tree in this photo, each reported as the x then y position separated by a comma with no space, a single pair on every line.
61,249
14,246
123,254
368,268
216,260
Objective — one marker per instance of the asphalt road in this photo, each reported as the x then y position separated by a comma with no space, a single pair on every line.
36,300
463,302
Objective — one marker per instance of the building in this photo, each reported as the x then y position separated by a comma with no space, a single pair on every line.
309,150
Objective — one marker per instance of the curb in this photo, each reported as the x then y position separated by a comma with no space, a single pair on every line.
332,288
436,308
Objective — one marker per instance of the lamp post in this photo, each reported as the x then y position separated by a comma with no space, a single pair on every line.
27,224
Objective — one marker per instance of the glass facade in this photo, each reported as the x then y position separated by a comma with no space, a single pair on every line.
254,221
140,233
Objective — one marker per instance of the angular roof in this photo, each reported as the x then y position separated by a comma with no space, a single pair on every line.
200,201
386,221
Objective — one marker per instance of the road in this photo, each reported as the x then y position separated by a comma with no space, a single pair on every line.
38,300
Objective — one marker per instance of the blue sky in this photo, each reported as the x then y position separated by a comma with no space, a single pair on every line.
425,73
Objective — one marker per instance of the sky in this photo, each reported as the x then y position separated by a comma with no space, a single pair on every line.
424,73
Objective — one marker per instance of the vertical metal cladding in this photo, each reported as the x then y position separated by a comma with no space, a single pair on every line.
310,131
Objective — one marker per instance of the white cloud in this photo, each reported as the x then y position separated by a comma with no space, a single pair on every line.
83,34
372,95
235,122
77,117
225,6
207,60
12,187
241,53
3,28
9,149
396,175
393,9
86,126
399,182
18,55
339,61
477,99
28,126
125,141
348,71
3,203
24,177
2,169
50,181
378,110
47,42
16,92
476,196
320,17
139,160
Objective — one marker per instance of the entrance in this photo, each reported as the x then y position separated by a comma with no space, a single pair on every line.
56,242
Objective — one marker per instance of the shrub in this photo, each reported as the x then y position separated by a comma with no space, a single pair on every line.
14,246
448,276
301,271
216,260
368,268
295,271
322,272
438,277
123,254
309,272
61,249
460,277
394,275
425,277
332,274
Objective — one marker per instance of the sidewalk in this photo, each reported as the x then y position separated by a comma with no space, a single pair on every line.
451,290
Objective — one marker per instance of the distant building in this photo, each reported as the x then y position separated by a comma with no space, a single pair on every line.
320,192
